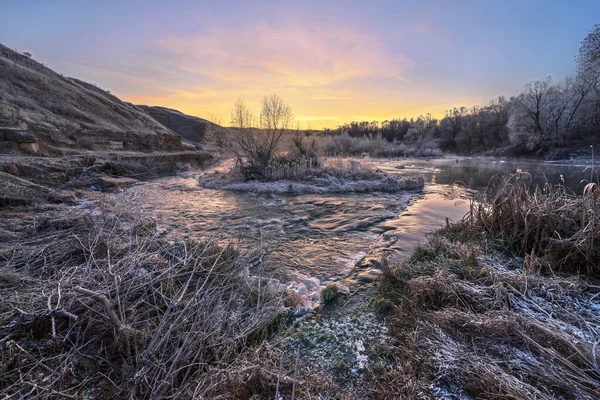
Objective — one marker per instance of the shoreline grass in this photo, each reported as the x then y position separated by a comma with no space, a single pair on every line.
332,175
491,308
97,305
554,228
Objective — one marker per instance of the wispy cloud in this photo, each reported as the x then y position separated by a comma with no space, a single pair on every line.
308,66
329,74
291,55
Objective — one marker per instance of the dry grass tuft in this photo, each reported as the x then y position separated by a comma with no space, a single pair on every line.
558,229
307,168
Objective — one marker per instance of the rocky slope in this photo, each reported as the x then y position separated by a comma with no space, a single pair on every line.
68,113
188,127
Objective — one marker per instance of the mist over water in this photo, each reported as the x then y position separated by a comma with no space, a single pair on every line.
478,173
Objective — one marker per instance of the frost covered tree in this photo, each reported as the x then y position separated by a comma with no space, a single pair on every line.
588,59
453,124
423,131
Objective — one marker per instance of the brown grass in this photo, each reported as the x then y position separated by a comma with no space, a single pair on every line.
469,320
96,305
70,113
560,230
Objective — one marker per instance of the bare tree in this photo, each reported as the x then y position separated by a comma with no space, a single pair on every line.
588,62
241,116
476,126
588,59
215,119
240,139
275,119
567,98
533,101
455,118
255,148
422,130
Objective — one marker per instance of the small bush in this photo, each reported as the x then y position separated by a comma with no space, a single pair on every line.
374,146
329,293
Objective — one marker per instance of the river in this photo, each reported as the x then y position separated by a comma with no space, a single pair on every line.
314,240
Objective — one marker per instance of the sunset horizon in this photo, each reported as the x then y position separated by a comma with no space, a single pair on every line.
332,63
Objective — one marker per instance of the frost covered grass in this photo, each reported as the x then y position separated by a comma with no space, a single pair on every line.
375,146
335,175
472,320
557,229
96,304
348,349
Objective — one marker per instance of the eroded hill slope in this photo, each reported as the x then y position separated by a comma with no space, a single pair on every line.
68,113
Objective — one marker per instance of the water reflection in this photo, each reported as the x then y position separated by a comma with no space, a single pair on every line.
476,173
317,239
312,239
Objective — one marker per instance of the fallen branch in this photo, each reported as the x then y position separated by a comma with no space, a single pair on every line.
114,319
66,314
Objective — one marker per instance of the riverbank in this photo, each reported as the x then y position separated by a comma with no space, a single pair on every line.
468,313
465,316
83,275
84,171
470,320
504,303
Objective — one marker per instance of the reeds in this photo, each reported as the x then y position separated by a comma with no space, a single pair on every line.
557,228
304,168
297,168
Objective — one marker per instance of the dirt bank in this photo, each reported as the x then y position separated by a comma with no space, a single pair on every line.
85,171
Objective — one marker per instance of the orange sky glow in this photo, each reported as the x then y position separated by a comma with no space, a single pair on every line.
332,61
329,76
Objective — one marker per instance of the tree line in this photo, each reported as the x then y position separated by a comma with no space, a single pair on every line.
545,117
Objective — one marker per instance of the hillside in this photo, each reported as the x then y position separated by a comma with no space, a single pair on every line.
188,127
41,109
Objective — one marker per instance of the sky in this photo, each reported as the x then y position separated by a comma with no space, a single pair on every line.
332,61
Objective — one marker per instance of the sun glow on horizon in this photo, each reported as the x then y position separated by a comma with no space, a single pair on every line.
221,113
330,75
332,62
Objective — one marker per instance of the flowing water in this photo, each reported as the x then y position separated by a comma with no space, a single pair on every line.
314,240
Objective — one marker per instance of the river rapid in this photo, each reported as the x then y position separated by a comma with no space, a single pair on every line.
311,241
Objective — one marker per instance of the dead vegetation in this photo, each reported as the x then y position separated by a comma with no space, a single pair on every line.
494,306
96,305
556,228
333,175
